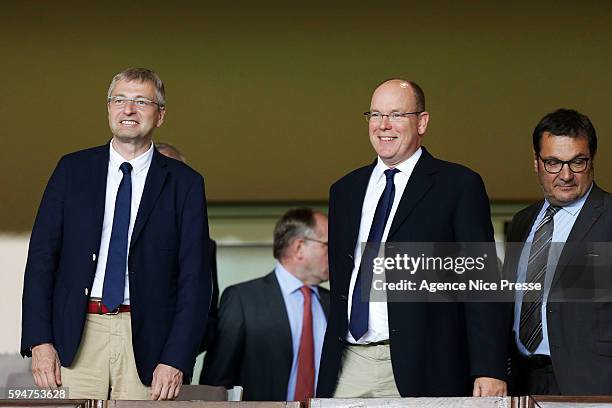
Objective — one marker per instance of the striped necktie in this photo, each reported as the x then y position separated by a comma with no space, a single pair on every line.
530,329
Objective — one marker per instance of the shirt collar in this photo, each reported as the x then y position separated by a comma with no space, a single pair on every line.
288,282
574,207
139,163
404,167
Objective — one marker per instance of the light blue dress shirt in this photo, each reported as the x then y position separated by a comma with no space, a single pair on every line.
294,303
564,221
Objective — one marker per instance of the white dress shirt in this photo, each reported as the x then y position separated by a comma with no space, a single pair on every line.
378,322
140,169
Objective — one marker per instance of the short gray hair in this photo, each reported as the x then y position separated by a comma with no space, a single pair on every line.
295,223
142,75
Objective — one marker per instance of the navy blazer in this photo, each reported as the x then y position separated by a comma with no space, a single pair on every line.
437,349
168,263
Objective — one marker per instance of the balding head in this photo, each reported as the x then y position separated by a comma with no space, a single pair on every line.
410,86
397,120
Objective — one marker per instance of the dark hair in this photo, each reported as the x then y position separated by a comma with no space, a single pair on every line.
295,223
419,95
565,122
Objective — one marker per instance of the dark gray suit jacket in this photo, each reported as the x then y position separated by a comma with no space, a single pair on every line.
253,345
579,332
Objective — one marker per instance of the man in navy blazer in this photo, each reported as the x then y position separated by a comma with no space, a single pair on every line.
117,273
388,349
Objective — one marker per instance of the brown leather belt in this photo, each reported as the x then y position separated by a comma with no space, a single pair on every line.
96,306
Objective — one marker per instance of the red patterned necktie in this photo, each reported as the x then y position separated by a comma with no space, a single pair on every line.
304,386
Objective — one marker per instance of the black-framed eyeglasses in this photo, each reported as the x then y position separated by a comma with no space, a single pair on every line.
140,103
393,116
316,240
554,166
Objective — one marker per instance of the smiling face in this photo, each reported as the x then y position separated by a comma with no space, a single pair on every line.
566,186
129,123
395,142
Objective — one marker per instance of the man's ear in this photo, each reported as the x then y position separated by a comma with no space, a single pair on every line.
296,249
162,117
535,161
423,121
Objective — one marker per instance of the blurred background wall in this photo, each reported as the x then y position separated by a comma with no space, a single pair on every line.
266,98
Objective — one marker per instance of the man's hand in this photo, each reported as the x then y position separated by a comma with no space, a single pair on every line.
46,366
166,382
489,387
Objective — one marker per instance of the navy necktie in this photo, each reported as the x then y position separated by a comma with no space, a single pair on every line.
360,308
114,277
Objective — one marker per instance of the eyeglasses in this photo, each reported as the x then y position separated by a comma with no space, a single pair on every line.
554,166
316,240
393,116
139,103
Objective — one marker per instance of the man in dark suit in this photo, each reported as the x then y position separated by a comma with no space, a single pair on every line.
562,334
384,349
117,273
271,329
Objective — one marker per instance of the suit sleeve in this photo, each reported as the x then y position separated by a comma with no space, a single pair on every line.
194,283
213,311
488,324
223,361
43,261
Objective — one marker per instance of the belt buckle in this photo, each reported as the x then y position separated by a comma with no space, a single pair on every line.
114,312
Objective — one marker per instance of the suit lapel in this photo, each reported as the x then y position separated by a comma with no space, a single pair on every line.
153,185
589,214
278,313
98,196
523,226
354,206
324,300
419,183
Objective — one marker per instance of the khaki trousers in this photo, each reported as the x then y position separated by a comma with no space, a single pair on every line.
366,372
105,361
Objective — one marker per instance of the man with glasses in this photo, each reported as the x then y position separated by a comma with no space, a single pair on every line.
562,334
388,349
271,329
118,272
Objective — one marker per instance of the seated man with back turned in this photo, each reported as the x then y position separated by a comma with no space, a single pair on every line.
271,329
562,344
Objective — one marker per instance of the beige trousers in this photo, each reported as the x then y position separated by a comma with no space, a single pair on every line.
105,361
366,372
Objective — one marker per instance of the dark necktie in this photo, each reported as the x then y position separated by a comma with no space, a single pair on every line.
360,308
530,329
114,277
304,385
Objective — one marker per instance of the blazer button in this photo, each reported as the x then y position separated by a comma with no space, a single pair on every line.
93,257
395,331
340,339
343,297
